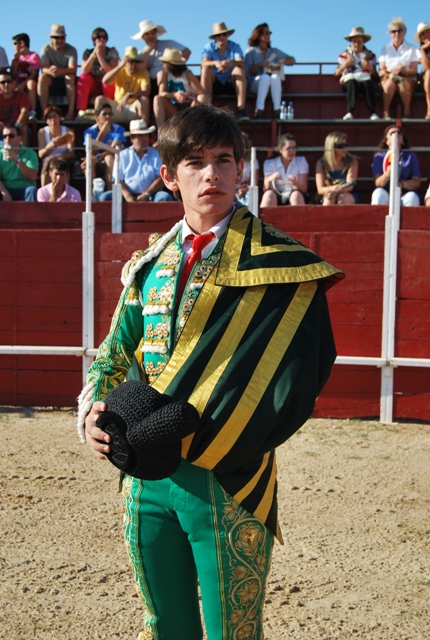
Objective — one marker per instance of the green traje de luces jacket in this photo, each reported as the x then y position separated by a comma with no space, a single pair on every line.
250,345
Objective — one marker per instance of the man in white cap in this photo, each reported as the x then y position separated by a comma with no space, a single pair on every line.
58,72
154,49
132,89
139,168
223,67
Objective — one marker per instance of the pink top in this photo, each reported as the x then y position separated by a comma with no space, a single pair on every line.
28,62
69,194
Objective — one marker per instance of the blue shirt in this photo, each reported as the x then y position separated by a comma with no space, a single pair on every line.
233,52
409,167
254,56
116,133
139,173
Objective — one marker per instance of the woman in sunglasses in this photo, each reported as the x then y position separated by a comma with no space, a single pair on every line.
409,175
264,67
95,63
398,65
336,173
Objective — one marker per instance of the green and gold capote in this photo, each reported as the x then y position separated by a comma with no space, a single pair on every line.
249,345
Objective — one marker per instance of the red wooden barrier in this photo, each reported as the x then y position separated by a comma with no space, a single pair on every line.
41,301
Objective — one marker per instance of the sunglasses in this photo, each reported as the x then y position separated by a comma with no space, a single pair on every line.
11,136
107,114
397,31
58,37
6,81
266,33
101,35
340,145
15,43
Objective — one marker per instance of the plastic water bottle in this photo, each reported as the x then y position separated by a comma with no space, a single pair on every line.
6,150
283,114
290,111
98,188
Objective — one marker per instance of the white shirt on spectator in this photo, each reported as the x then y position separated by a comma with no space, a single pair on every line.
405,54
298,165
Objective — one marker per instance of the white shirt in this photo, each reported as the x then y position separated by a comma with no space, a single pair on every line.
405,54
298,165
218,229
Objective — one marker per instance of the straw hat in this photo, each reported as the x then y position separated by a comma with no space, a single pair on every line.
148,25
358,31
219,28
139,128
172,56
58,30
132,54
421,27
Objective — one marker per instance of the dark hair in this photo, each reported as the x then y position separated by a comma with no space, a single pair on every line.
383,143
59,163
22,36
7,72
285,138
50,108
15,126
195,128
256,33
175,69
96,31
103,106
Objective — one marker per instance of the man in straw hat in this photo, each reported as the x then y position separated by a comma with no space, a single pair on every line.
139,168
154,49
357,71
59,62
132,88
422,36
230,315
223,67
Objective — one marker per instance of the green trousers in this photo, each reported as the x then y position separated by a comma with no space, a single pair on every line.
186,530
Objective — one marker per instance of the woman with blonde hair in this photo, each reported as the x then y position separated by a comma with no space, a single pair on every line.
398,65
336,172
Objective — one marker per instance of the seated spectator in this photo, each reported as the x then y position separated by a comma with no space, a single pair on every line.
264,66
427,197
357,70
25,69
423,37
335,172
409,170
223,68
398,65
286,176
154,49
139,168
14,105
4,62
59,65
131,82
179,87
96,63
54,140
58,189
18,167
105,130
242,189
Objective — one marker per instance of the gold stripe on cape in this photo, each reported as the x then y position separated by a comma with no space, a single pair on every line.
261,378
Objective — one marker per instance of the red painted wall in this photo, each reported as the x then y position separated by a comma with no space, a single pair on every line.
41,295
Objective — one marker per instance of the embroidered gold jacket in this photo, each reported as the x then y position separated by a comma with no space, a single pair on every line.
251,347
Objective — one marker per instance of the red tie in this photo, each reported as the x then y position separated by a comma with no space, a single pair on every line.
195,255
